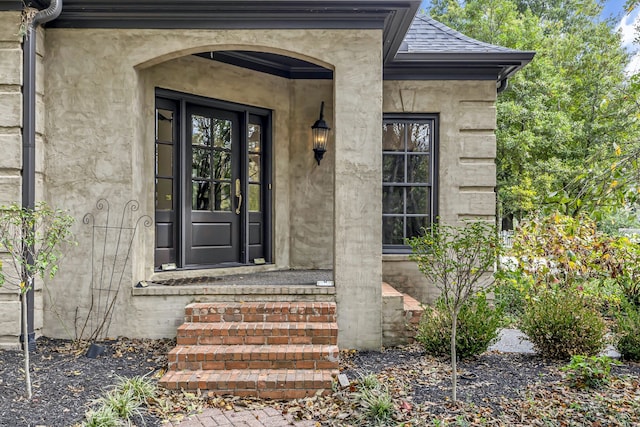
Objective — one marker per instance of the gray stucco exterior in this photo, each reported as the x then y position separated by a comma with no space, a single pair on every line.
95,138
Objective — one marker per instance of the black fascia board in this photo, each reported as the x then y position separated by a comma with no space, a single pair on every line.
396,28
421,71
456,65
521,57
19,4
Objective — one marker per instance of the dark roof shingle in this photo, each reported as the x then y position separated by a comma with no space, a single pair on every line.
426,35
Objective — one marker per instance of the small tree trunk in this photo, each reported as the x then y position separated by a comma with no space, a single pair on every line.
25,344
454,372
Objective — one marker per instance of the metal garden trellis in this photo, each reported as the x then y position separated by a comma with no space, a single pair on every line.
110,254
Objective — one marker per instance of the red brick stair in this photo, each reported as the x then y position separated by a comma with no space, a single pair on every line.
270,350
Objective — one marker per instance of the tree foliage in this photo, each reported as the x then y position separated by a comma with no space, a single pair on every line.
568,128
458,261
31,238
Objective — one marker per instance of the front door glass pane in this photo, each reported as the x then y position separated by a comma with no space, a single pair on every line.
254,168
222,196
222,165
164,125
164,160
164,194
201,196
254,197
201,130
201,163
222,133
255,135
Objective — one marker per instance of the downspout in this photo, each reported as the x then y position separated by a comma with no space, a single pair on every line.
29,133
503,85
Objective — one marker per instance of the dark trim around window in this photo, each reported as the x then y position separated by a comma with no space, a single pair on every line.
400,178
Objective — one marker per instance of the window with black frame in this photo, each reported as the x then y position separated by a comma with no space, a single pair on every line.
409,171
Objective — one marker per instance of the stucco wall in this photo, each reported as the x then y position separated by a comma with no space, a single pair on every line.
99,124
467,171
311,184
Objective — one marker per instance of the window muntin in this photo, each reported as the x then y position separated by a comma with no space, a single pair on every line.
408,178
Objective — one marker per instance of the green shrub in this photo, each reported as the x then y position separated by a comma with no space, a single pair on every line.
561,323
589,372
628,331
511,291
478,324
606,295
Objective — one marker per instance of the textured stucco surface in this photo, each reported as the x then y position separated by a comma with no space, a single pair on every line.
99,95
467,171
100,145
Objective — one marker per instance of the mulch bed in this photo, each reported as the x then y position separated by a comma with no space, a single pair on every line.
494,389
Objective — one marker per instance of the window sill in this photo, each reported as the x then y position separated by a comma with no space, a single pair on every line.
395,257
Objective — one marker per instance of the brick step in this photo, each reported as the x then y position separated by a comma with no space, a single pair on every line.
261,312
226,357
262,383
270,333
413,309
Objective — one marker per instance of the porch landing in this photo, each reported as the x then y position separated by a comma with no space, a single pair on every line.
274,285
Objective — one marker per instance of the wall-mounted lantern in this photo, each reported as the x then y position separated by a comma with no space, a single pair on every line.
320,131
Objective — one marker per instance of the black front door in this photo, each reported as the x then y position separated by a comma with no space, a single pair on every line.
215,208
217,165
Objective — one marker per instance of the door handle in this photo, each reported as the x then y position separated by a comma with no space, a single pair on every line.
239,196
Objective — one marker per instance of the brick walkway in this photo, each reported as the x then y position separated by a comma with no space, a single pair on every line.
267,417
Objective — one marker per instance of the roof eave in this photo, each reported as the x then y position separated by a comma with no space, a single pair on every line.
394,16
457,65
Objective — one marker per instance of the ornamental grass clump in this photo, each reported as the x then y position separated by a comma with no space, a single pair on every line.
375,400
561,323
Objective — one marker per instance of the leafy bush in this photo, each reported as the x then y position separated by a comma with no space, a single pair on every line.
628,330
561,323
589,372
511,290
557,249
604,294
478,324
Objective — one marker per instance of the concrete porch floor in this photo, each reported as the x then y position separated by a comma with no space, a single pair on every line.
263,278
